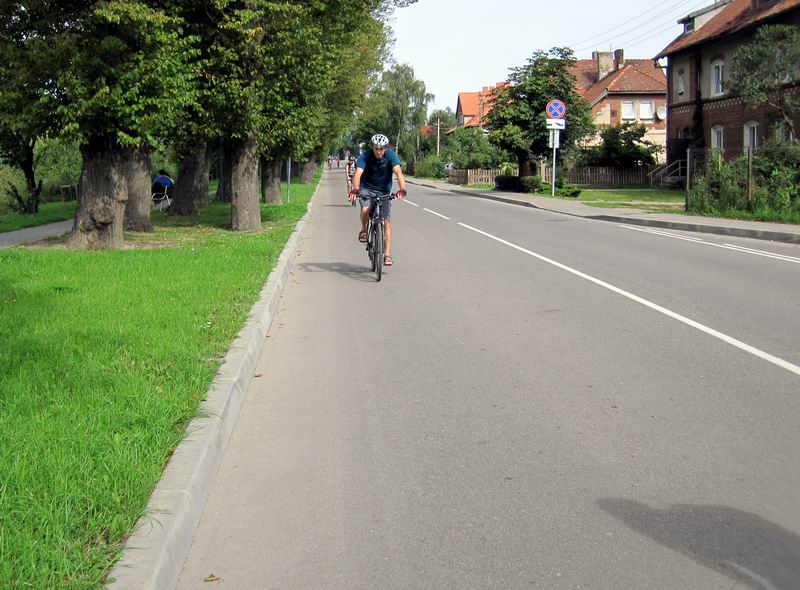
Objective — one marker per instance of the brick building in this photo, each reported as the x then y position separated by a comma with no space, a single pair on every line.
698,73
624,91
473,107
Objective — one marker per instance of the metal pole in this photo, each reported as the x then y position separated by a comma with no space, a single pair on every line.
553,172
288,181
688,178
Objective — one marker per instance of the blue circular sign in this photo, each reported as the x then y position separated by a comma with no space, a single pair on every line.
556,109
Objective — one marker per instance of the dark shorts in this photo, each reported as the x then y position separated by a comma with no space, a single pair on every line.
364,197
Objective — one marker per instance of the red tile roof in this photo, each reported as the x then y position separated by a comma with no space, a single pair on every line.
470,104
737,15
640,76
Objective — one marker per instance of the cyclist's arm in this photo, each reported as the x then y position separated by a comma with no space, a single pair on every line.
357,179
401,181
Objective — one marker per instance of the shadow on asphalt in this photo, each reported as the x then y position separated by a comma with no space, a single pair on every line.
351,271
741,545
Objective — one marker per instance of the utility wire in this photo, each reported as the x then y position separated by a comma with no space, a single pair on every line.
659,16
646,34
622,24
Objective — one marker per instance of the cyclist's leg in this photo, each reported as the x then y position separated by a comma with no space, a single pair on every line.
387,224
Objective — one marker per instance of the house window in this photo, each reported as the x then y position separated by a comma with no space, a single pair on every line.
628,112
646,110
717,77
681,83
783,133
717,137
751,134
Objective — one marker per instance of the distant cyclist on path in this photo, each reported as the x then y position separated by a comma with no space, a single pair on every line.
374,178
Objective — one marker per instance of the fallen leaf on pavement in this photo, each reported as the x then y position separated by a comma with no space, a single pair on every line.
212,578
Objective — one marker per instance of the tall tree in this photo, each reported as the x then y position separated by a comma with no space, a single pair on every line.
765,72
128,78
32,52
517,119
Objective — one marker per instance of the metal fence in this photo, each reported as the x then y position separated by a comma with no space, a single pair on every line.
750,179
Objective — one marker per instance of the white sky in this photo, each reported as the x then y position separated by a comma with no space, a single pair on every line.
458,46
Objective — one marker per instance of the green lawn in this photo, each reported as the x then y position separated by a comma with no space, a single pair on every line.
48,213
105,358
632,195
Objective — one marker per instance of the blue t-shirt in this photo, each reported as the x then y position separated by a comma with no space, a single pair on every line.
377,175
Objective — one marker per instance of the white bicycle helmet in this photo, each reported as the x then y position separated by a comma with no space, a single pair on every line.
379,140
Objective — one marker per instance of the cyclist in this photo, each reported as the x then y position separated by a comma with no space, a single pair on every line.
350,172
374,178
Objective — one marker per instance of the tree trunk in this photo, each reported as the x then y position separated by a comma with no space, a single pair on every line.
308,169
526,168
245,207
271,181
102,193
191,190
135,168
31,206
224,192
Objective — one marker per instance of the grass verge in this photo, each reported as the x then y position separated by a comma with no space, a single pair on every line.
106,356
48,213
758,215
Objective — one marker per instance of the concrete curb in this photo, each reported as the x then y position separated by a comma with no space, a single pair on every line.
154,555
739,232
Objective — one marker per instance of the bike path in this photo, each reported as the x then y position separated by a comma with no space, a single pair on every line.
34,234
482,419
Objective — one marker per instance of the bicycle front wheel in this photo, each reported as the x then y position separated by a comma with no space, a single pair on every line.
379,248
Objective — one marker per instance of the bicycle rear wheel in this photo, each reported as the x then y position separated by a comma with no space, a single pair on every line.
379,248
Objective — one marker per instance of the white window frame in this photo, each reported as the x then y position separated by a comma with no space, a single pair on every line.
632,116
750,135
681,83
718,137
718,77
652,110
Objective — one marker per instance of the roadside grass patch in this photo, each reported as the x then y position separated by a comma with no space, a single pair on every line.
105,359
480,186
48,213
631,195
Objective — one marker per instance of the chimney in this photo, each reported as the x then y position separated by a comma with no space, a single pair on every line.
619,58
605,63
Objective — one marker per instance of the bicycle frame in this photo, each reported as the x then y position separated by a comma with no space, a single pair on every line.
376,251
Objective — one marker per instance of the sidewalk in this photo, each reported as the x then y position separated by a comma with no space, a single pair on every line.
762,230
34,234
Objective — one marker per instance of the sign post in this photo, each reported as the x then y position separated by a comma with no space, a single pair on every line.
556,111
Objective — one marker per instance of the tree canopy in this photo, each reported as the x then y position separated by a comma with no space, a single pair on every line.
517,119
764,69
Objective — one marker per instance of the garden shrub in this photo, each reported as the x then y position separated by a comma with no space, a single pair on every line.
504,182
431,167
568,190
530,184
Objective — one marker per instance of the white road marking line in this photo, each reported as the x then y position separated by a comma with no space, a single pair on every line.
723,246
763,253
410,203
662,233
689,322
437,214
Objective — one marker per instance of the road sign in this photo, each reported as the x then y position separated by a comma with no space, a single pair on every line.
555,138
556,123
556,109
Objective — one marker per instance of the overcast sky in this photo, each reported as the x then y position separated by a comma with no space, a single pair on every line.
456,46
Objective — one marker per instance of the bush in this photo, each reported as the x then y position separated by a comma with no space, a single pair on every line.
507,183
568,190
508,169
530,184
430,167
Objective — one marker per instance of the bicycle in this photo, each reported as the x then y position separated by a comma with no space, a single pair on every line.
376,234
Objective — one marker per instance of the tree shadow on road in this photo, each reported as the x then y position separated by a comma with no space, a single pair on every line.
741,545
352,271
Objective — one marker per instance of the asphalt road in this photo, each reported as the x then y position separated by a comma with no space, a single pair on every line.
527,400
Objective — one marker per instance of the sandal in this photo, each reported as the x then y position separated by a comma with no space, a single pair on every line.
362,237
387,261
